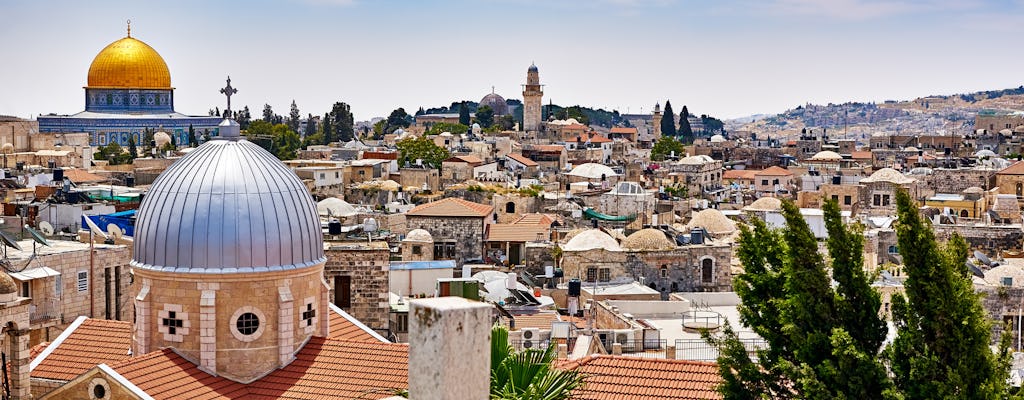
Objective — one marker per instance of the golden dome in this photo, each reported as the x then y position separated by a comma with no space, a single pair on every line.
129,63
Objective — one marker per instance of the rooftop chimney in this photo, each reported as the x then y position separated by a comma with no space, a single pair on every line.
449,349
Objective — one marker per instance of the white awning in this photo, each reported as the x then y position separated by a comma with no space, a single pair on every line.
34,273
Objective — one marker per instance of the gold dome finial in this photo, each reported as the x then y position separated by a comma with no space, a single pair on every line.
129,28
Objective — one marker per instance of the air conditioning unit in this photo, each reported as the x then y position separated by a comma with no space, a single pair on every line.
531,338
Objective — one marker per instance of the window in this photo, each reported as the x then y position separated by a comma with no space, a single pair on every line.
894,250
247,323
847,200
605,275
964,214
308,314
707,270
323,176
417,250
1007,281
83,281
664,271
402,323
877,200
591,274
835,198
58,284
337,175
26,289
444,251
885,200
764,182
510,207
362,173
172,322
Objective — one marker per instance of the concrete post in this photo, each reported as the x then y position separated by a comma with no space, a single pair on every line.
449,349
617,349
670,352
21,387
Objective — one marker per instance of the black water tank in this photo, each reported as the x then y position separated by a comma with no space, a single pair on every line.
334,227
574,287
129,181
837,180
697,236
51,164
58,175
20,165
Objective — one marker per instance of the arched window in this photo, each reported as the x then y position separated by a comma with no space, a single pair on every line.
664,271
510,207
964,213
707,270
1020,189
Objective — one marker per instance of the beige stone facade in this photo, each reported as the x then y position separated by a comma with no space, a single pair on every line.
357,274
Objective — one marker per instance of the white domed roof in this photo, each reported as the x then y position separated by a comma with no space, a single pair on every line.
696,160
765,204
713,221
888,175
827,156
974,190
419,235
591,239
229,206
717,139
985,153
647,239
911,148
161,139
592,171
335,207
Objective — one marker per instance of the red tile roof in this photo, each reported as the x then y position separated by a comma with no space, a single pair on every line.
739,174
1016,168
465,159
774,171
627,378
83,176
860,155
522,159
624,130
345,327
517,233
599,139
536,219
87,342
380,155
451,207
323,369
549,148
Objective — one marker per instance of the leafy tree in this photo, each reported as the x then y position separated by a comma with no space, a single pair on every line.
813,350
310,126
133,151
665,146
441,127
941,348
528,374
114,154
464,114
506,122
378,129
268,113
685,131
421,111
192,141
293,117
243,118
668,122
343,122
327,129
278,139
421,148
398,119
485,116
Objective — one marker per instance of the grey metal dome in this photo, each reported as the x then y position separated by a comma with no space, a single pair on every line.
228,206
496,102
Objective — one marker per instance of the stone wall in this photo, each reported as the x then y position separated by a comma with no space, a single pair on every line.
988,239
466,233
367,268
683,268
956,180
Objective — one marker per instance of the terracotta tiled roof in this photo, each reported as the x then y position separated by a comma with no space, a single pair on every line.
624,130
465,159
739,174
380,155
774,171
451,207
522,159
599,139
84,344
83,176
627,378
543,320
345,327
536,219
323,369
549,148
517,233
1016,168
860,155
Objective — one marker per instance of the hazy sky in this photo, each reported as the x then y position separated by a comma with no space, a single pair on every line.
727,58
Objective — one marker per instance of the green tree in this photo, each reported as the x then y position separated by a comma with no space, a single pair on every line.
941,350
398,119
422,148
442,127
192,141
668,122
343,122
464,114
310,126
293,117
133,151
506,122
813,352
665,146
485,116
243,118
268,113
528,374
327,129
685,131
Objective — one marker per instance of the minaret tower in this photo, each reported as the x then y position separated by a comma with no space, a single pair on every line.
533,91
656,120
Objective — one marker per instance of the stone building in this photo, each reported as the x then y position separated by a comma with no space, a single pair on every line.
357,274
418,245
1010,180
456,225
774,182
533,93
700,174
878,196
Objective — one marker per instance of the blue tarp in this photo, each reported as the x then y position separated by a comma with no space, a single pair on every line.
123,220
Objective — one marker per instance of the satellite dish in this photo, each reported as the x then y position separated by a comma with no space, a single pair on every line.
9,240
975,270
886,275
982,257
46,228
36,236
95,229
370,225
114,231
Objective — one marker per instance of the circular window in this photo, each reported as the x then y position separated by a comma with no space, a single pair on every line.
99,392
247,323
99,389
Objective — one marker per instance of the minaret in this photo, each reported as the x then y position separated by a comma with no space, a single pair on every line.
533,91
656,120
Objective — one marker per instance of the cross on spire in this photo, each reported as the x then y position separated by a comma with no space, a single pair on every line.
228,91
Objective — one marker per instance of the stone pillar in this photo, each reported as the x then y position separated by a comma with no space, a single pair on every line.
20,385
670,352
142,314
324,310
449,349
285,325
208,329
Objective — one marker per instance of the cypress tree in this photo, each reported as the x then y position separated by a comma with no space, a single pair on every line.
685,131
463,114
668,122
